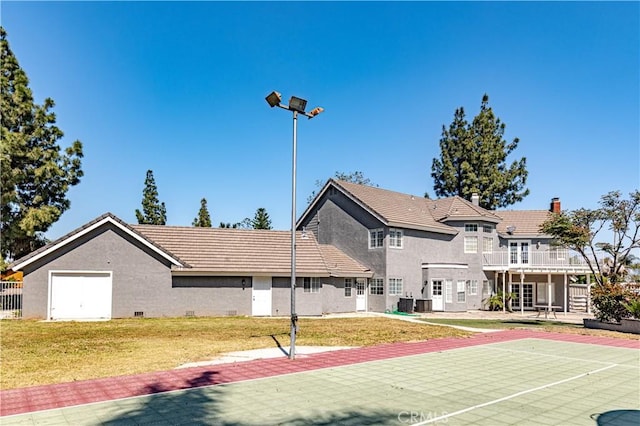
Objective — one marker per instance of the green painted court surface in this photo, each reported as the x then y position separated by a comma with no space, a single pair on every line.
520,382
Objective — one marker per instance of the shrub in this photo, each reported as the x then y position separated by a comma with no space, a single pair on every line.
633,306
494,303
609,302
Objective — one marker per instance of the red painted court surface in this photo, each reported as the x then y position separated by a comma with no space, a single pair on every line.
39,398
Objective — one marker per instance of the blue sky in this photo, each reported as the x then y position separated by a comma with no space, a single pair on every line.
179,88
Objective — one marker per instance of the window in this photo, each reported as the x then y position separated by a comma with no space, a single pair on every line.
395,238
395,286
348,285
311,285
376,238
470,227
487,287
376,286
470,244
460,291
487,245
518,252
543,290
448,291
487,229
436,286
473,287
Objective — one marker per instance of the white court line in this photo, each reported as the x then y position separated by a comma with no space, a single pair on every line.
505,398
564,357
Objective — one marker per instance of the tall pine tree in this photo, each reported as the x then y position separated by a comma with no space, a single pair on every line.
35,173
153,211
203,220
261,219
473,159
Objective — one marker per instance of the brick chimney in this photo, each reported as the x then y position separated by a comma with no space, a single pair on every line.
555,205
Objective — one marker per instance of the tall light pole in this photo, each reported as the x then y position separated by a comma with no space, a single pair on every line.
297,106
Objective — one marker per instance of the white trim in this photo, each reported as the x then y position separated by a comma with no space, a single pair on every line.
445,266
85,231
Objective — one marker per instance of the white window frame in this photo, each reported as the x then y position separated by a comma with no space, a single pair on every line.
311,285
468,247
395,286
376,286
470,227
487,229
348,285
460,290
519,252
376,238
395,238
448,291
487,245
473,287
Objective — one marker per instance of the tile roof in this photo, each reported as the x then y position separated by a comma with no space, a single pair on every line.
526,222
411,211
341,265
78,232
249,251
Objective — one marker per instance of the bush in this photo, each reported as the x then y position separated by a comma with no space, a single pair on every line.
610,300
633,306
494,303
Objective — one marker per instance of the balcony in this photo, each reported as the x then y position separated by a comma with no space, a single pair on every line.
535,260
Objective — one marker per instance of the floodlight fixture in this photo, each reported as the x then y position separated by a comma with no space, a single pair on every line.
297,104
274,99
315,111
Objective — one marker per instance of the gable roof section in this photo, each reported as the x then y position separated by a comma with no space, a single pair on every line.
526,222
409,211
341,265
215,251
85,229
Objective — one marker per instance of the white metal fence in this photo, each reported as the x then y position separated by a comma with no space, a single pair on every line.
10,299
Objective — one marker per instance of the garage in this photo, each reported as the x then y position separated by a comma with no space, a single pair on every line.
80,295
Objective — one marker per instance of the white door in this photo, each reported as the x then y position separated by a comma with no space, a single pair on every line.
361,294
436,295
80,295
261,296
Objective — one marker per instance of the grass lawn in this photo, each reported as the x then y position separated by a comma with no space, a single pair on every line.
37,353
556,326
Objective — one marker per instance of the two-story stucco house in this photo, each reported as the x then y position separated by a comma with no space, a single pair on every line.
359,248
449,252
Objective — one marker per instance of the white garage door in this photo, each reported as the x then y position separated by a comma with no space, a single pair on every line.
80,295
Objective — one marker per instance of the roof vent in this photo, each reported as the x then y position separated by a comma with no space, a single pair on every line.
304,233
511,229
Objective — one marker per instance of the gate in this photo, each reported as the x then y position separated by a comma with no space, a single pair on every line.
10,299
578,297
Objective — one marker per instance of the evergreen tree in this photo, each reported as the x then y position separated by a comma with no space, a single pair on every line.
473,160
261,220
153,211
35,174
204,219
